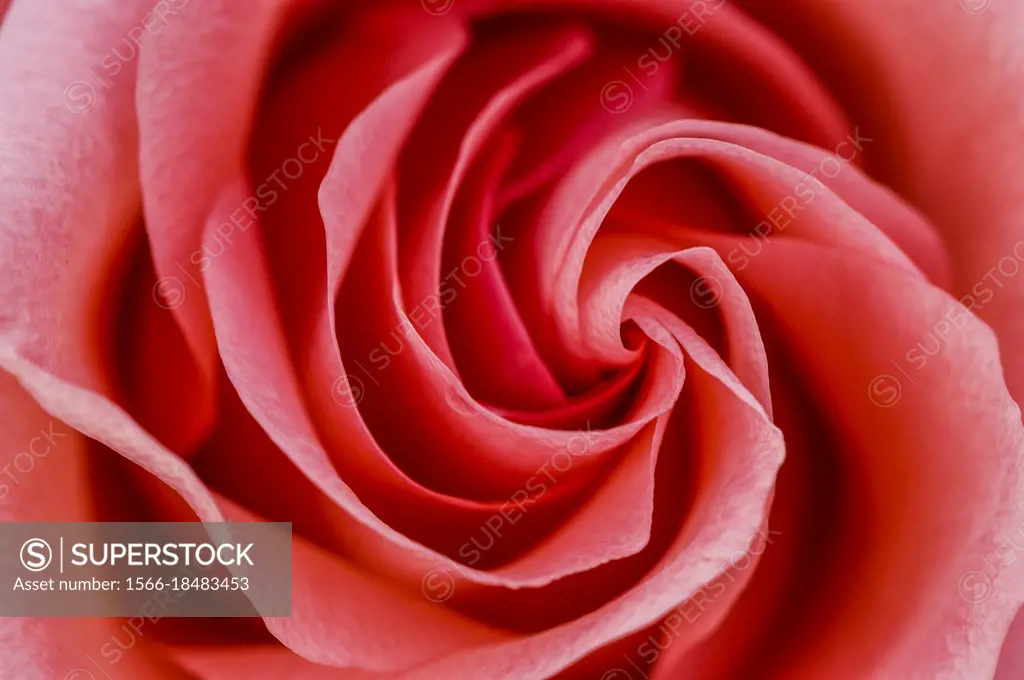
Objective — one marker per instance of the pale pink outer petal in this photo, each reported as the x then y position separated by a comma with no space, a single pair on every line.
952,88
53,487
962,481
68,177
1011,662
320,621
949,86
67,185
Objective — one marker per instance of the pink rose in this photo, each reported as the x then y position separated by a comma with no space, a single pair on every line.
608,339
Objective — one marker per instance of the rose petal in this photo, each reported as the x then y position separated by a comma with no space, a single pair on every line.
940,88
617,263
588,194
730,54
259,663
439,156
743,458
53,487
271,396
64,220
320,621
1011,661
215,74
910,543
